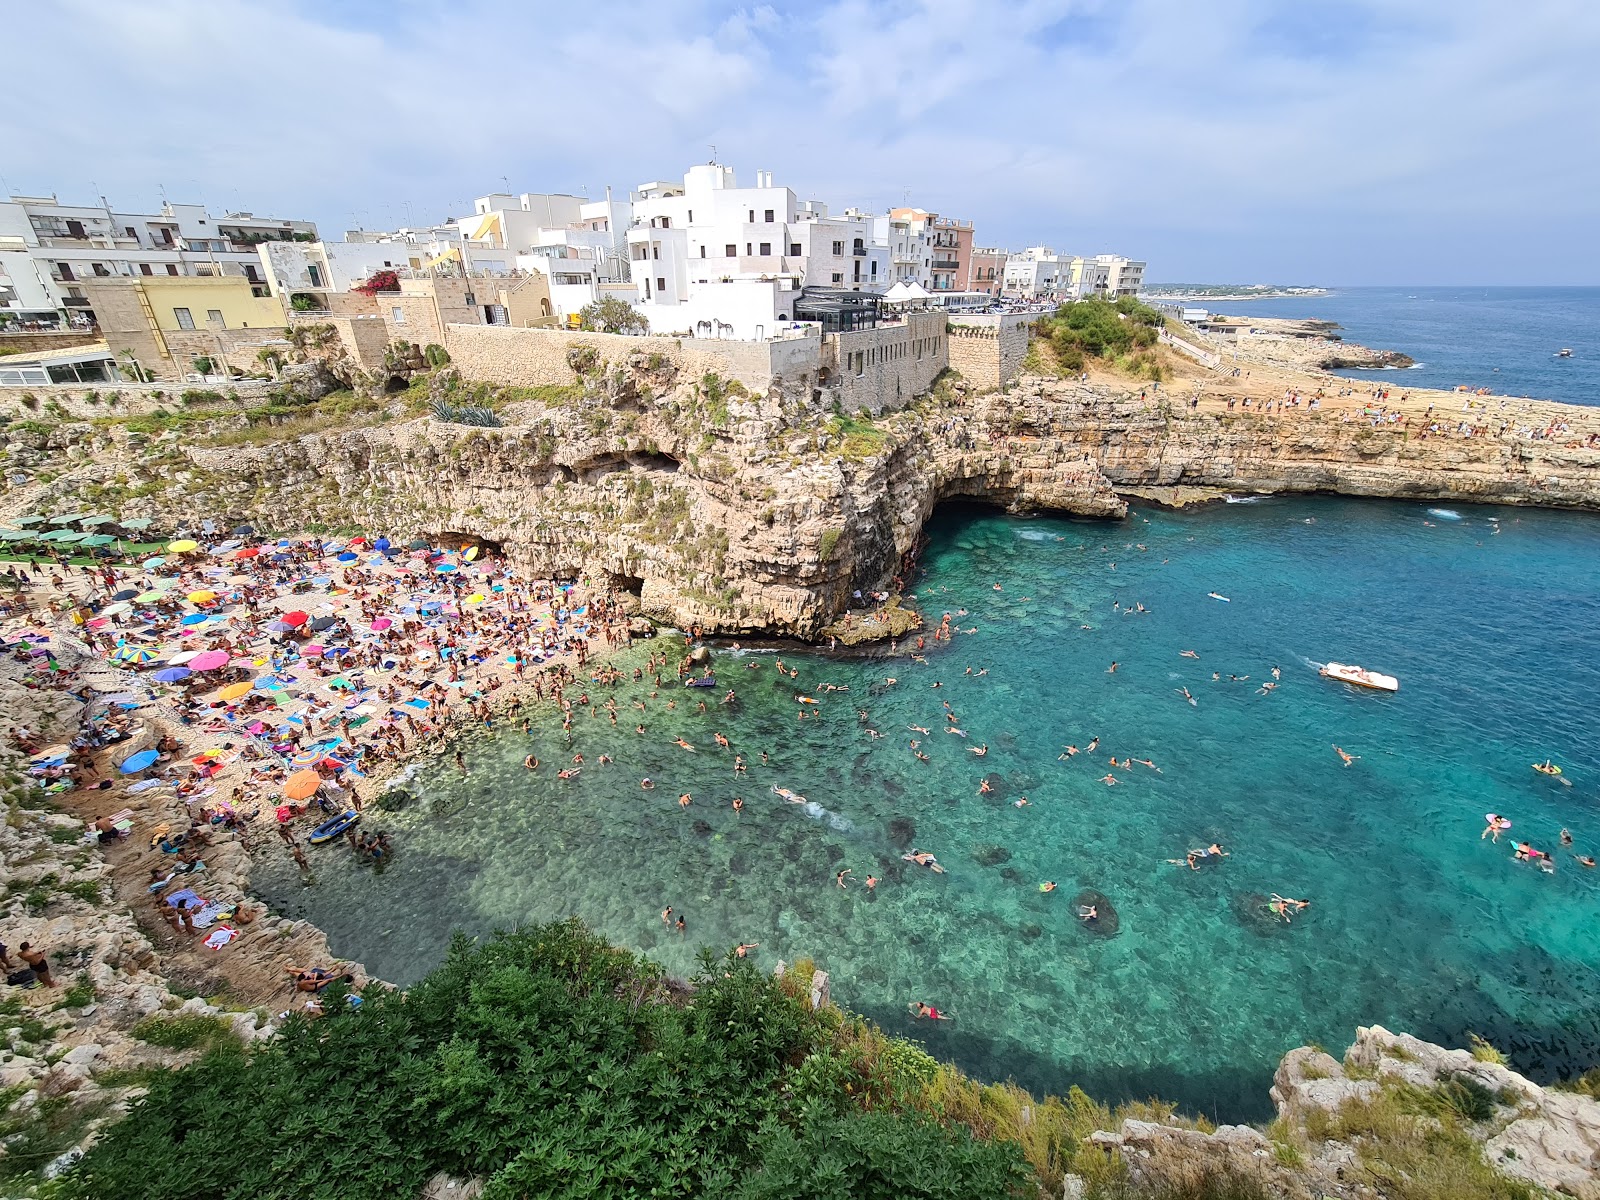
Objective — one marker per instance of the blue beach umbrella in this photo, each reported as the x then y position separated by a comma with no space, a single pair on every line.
138,762
346,557
172,674
444,568
157,561
382,544
194,619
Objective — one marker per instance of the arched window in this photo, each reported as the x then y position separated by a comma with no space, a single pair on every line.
544,306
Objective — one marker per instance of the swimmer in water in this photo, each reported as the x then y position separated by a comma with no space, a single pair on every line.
647,783
1584,860
1566,837
531,762
1495,827
872,882
1348,758
685,800
1088,912
738,804
927,1010
918,729
744,948
1019,803
685,745
1095,741
980,751
1187,654
1067,752
983,787
840,877
1276,673
1047,886
1108,780
1184,692
1112,669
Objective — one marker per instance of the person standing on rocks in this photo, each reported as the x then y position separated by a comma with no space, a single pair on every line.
36,960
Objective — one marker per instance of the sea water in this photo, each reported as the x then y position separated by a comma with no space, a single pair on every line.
1506,339
1489,621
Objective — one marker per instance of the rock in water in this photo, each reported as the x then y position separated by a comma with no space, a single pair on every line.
1106,924
902,831
1250,910
703,828
991,856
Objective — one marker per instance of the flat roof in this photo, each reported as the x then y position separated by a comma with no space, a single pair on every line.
90,353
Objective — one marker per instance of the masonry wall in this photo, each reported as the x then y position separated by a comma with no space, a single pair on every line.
988,349
534,357
884,369
38,343
46,402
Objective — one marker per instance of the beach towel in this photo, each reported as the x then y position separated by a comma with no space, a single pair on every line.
208,915
181,895
221,936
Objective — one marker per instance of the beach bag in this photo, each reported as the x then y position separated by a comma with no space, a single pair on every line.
23,978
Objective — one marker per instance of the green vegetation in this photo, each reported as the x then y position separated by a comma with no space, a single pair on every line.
553,1065
858,437
435,355
610,315
830,541
1122,333
465,414
184,1031
34,1135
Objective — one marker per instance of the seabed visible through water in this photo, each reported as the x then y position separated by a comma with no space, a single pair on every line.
1415,923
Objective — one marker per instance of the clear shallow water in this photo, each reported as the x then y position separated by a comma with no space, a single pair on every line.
1500,338
1415,922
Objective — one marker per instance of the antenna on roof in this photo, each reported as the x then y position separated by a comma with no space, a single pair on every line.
713,155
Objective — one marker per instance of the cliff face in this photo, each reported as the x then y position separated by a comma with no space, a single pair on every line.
739,512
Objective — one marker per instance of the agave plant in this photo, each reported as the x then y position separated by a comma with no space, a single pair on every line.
465,414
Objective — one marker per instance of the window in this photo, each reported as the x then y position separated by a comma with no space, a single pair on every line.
316,274
144,269
766,248
661,284
172,268
100,269
666,222
838,276
749,248
470,298
752,216
397,315
874,268
130,232
838,249
214,317
769,216
794,249
732,250
184,318
702,251
691,216
655,251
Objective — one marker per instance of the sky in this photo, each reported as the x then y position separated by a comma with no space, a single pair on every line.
1335,142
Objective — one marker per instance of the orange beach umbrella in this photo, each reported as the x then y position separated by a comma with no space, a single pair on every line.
302,784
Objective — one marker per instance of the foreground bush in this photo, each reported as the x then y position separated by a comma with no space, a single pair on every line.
552,1065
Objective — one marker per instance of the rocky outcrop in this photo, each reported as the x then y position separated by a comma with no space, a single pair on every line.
1394,1105
740,512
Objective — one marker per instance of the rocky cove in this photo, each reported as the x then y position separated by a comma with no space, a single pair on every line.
767,512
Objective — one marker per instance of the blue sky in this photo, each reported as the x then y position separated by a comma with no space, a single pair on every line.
1297,141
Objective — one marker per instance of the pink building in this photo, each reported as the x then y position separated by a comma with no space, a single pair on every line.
987,271
949,247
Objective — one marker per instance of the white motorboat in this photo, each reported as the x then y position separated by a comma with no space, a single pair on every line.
1563,353
1360,677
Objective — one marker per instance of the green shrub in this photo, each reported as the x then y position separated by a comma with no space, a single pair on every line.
435,355
201,396
830,540
81,993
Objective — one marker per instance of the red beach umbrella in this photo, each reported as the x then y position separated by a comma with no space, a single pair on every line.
295,618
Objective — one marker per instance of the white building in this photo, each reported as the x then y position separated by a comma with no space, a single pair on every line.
1033,274
1124,277
47,248
910,251
1040,273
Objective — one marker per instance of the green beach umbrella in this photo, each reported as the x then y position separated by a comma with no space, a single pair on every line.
30,519
97,539
68,518
57,535
137,523
97,519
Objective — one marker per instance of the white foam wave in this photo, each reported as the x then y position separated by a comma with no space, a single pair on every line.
1449,514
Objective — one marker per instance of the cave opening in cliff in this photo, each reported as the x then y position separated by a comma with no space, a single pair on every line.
454,539
649,460
632,584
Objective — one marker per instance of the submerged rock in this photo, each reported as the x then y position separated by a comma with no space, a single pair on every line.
902,831
991,856
1106,923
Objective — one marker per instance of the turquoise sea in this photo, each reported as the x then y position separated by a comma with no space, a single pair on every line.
1488,617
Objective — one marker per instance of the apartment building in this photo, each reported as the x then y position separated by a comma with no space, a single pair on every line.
986,271
48,249
949,247
1040,273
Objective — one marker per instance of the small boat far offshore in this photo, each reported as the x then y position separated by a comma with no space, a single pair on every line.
1564,352
1360,677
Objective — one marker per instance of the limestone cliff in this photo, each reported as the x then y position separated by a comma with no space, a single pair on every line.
734,511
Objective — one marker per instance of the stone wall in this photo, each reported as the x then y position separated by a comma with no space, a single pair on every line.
46,402
988,348
883,369
365,338
535,357
38,343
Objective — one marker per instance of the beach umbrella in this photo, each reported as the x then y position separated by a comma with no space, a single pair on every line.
476,598
209,660
296,618
133,654
98,539
234,690
324,622
381,544
68,518
30,519
302,784
97,519
225,547
186,656
125,594
17,535
204,596
51,753
115,610
444,569
152,563
136,523
472,554
195,619
147,597
417,544
183,545
172,674
346,557
57,535
278,627
138,762
381,624
311,651
247,552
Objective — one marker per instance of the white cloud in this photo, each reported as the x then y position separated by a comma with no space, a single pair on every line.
1250,138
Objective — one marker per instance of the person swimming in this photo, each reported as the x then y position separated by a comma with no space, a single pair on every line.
923,859
1088,912
1048,885
791,797
1348,758
928,1011
1495,827
1195,857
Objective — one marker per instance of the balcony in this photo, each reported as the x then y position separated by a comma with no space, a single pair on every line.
859,252
942,265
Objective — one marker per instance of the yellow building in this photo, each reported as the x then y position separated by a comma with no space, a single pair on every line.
166,324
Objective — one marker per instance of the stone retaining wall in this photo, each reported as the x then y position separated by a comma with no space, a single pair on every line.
885,368
989,348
